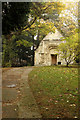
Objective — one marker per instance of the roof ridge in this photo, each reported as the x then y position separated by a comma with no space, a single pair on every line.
51,35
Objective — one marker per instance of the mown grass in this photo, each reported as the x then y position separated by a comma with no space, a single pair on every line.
56,91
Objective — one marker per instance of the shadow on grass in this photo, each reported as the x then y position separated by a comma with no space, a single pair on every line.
70,66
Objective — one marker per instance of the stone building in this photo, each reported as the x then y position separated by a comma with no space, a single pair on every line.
46,54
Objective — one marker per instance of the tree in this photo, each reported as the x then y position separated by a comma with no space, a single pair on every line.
67,22
14,16
68,50
41,28
66,25
16,50
77,59
42,10
18,16
8,52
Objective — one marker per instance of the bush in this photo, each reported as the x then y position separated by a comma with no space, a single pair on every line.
8,64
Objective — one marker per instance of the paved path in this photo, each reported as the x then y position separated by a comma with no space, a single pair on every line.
18,100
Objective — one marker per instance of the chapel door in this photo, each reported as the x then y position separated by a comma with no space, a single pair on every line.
53,59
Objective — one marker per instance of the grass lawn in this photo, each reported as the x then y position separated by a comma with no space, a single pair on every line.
55,90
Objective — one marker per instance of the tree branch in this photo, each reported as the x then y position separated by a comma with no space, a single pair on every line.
30,24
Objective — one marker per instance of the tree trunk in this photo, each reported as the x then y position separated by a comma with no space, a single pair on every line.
20,61
38,38
67,64
33,51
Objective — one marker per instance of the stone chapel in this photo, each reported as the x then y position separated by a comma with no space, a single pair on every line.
46,54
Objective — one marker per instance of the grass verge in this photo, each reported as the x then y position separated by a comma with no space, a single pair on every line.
55,90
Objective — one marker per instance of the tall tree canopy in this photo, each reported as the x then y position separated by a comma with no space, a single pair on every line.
67,22
21,15
14,16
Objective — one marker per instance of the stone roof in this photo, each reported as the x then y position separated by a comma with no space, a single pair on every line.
53,36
